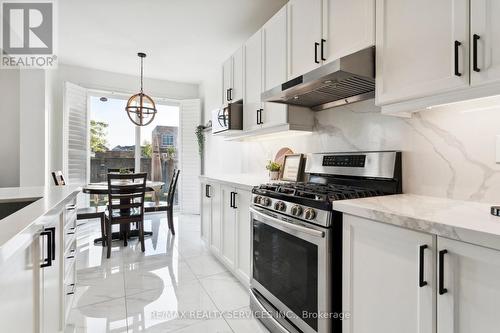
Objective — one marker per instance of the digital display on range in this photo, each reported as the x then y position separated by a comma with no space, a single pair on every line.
351,161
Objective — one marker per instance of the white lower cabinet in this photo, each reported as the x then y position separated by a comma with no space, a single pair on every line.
399,280
33,293
471,279
225,225
19,283
381,273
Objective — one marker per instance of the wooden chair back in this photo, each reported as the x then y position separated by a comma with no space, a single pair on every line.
172,187
58,178
117,170
126,197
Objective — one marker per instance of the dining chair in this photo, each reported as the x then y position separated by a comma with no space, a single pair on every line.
86,213
170,200
125,205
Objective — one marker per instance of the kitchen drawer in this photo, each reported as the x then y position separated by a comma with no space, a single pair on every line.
69,237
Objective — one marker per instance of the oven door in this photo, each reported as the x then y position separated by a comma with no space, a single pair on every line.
291,270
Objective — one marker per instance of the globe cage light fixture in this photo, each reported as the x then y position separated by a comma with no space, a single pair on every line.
141,108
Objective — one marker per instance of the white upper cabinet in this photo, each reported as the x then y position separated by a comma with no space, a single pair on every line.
227,79
469,296
348,26
485,41
422,48
232,78
275,64
305,36
238,81
252,104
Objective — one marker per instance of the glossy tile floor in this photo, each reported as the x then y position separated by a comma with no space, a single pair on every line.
175,286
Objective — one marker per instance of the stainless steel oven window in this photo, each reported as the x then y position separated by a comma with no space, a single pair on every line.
291,268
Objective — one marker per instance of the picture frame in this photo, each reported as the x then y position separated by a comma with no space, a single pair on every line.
293,165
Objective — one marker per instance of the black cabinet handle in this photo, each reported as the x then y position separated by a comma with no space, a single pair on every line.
475,39
442,289
207,190
227,95
421,281
323,41
316,45
233,195
230,92
47,262
53,233
457,68
259,117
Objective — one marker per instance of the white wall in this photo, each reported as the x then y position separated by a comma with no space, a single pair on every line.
107,81
447,152
9,128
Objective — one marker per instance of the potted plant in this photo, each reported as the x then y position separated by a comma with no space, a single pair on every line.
274,170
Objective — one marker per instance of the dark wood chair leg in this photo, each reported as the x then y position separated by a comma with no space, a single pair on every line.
103,233
141,235
109,235
170,218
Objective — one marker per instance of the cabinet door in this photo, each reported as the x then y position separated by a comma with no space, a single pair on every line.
238,63
227,79
304,31
19,290
381,276
417,50
253,81
485,35
471,276
243,234
228,225
275,65
215,225
206,211
349,26
52,292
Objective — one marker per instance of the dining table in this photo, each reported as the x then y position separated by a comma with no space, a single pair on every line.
101,188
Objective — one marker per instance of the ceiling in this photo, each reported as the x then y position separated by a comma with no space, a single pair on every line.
185,40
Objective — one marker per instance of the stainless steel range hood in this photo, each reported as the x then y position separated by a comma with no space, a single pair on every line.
346,80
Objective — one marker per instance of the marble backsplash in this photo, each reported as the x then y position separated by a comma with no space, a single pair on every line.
448,151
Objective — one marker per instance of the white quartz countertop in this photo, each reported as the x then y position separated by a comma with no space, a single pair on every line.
460,220
245,181
17,229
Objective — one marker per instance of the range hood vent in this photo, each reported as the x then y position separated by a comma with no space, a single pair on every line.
346,80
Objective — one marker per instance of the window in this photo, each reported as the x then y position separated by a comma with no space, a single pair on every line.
167,140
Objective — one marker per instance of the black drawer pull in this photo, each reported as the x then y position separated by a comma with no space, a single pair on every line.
442,289
421,281
457,49
47,262
475,39
323,41
316,45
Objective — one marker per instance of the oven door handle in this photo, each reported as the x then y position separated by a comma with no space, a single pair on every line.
262,309
290,226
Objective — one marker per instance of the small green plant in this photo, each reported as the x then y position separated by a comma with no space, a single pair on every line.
124,171
273,166
201,138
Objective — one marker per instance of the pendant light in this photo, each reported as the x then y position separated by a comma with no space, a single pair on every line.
141,108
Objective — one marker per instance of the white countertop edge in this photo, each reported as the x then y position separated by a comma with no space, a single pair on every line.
242,181
465,221
20,228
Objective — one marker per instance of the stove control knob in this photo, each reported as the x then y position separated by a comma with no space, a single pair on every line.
256,199
280,205
265,201
296,210
310,214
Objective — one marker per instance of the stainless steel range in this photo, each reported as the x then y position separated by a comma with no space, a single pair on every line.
296,283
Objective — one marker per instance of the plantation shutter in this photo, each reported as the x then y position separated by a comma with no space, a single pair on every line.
190,163
75,146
